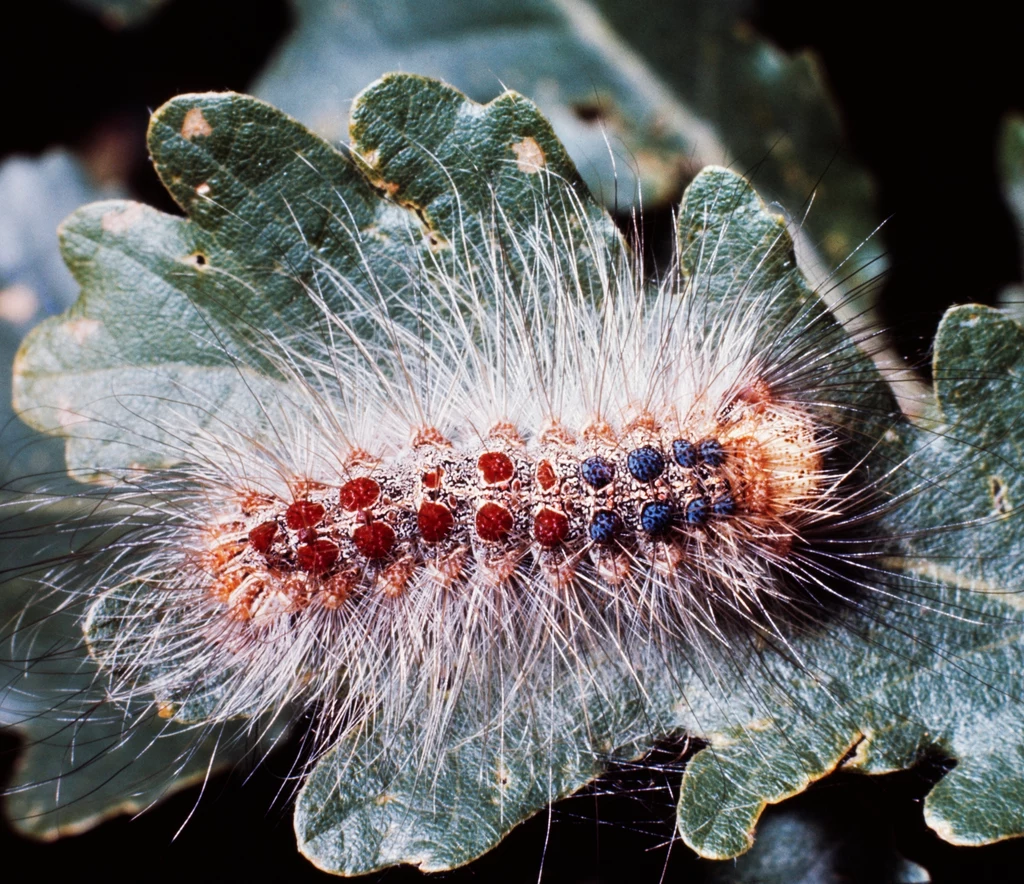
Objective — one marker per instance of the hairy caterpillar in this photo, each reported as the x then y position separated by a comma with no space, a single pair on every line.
475,503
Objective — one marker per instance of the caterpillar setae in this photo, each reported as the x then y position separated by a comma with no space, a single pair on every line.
401,449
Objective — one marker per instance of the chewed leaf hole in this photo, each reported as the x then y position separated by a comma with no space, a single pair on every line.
435,242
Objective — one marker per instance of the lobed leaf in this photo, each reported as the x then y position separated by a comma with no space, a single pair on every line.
85,759
274,212
936,668
628,133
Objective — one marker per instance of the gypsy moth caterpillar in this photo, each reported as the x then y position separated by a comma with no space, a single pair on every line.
478,505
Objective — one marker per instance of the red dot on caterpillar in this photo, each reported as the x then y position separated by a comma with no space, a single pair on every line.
359,494
493,522
318,556
374,540
550,527
546,477
495,467
434,521
432,479
304,514
262,536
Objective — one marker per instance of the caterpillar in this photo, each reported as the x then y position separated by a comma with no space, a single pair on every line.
463,496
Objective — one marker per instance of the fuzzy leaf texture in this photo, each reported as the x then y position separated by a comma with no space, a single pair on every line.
641,93
562,54
183,310
74,771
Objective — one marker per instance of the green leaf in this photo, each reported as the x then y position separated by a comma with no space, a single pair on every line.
85,759
171,332
80,764
643,94
736,249
167,303
450,160
976,451
34,283
176,314
828,695
109,642
386,798
620,123
279,218
771,109
934,668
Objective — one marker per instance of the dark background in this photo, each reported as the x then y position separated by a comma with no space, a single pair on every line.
921,96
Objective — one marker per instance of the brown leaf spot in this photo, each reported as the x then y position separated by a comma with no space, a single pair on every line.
435,242
82,329
530,157
120,220
195,125
1001,505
